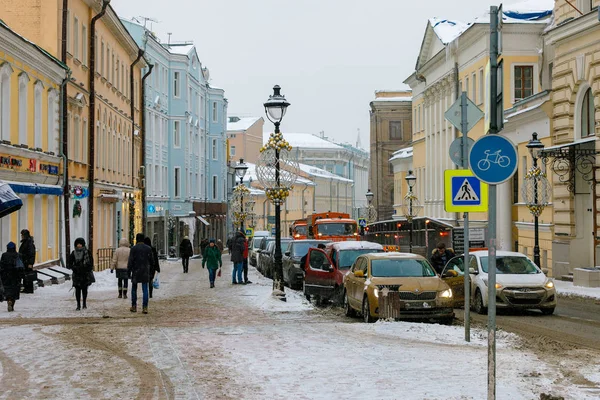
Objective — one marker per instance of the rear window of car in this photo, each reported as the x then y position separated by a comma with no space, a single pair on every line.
301,249
511,265
347,257
256,242
401,268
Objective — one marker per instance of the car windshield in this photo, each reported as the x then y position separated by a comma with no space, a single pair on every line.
301,230
256,242
401,268
337,228
301,249
511,265
347,257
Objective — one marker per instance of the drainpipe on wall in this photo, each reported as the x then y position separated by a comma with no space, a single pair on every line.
64,212
92,124
65,133
144,211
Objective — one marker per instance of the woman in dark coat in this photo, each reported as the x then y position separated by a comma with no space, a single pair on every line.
154,268
27,252
82,264
186,251
11,274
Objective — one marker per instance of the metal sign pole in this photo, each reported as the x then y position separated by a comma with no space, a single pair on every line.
492,209
465,165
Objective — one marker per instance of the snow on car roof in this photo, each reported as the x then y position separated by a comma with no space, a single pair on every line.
499,253
395,255
353,245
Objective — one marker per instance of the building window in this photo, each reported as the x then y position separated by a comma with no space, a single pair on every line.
214,187
396,131
474,87
587,114
76,37
176,134
232,151
52,121
523,81
37,114
176,84
481,86
467,86
585,6
215,113
5,73
177,182
76,138
84,45
102,59
214,149
23,84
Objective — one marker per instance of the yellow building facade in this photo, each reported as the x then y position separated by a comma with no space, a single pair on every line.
30,85
103,127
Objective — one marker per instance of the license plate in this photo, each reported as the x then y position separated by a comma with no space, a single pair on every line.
525,295
418,305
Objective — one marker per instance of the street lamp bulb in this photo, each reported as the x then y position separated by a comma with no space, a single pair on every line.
276,106
369,195
410,179
241,168
534,145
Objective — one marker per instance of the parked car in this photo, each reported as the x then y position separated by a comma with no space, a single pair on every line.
254,244
266,256
293,274
421,293
520,284
324,274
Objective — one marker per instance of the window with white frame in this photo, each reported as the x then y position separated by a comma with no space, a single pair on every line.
69,29
467,85
232,151
23,85
215,154
52,121
102,58
481,86
176,84
5,74
84,45
76,37
177,181
176,134
215,186
215,116
76,138
585,6
523,81
37,114
474,87
587,115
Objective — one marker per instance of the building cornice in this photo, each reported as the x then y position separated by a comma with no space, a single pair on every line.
573,29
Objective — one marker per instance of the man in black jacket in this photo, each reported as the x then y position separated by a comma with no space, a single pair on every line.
27,253
140,262
440,257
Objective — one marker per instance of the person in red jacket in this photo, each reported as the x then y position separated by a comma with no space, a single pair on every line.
246,281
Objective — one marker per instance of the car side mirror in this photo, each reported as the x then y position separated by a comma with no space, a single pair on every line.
287,253
359,274
473,271
545,271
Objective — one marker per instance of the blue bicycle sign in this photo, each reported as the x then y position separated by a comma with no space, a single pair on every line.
493,159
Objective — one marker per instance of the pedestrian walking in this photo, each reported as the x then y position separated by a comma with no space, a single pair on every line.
81,263
212,259
11,273
237,256
138,268
154,268
186,251
245,265
119,264
27,253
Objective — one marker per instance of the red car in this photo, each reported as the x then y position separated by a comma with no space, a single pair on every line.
324,270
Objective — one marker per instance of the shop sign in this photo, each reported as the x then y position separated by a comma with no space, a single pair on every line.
49,169
10,162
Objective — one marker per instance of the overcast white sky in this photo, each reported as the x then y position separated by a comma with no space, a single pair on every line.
329,56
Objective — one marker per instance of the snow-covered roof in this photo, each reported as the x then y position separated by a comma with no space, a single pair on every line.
184,50
406,98
403,153
243,124
360,244
251,173
305,140
321,173
447,30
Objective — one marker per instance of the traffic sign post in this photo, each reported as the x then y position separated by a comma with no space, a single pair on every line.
249,232
362,222
493,159
463,192
464,114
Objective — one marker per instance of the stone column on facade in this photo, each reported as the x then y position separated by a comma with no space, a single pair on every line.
425,128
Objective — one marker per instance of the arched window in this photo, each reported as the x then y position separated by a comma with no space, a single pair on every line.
5,73
52,121
23,84
37,114
587,115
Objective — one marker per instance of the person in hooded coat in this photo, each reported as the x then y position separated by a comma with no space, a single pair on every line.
237,257
27,252
139,265
11,275
119,263
212,259
80,261
155,267
186,251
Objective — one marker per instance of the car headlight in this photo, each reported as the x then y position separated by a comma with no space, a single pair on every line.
498,286
549,284
446,294
376,292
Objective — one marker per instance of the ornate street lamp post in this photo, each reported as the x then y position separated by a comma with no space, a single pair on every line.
239,191
410,206
536,192
277,171
371,212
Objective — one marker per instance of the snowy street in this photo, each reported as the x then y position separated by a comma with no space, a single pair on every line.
236,342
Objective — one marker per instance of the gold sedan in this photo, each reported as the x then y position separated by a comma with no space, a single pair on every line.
405,285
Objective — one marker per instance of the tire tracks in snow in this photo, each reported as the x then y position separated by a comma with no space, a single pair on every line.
13,378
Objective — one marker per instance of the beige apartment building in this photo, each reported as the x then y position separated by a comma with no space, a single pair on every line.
245,138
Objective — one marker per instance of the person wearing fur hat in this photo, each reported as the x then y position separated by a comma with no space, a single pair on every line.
212,258
186,251
119,263
82,264
11,273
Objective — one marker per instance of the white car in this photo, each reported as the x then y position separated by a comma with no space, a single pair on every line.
520,284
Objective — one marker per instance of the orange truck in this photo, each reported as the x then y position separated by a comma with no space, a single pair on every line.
334,226
299,229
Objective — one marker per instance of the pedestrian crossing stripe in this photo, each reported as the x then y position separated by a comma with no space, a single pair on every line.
463,192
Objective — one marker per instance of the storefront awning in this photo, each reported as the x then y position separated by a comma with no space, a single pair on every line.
35,188
205,222
109,197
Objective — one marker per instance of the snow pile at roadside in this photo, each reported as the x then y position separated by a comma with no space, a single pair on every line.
564,288
261,297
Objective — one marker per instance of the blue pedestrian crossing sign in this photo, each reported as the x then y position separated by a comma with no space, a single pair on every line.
362,222
249,232
463,192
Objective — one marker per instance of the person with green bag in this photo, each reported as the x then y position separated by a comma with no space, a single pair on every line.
212,258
